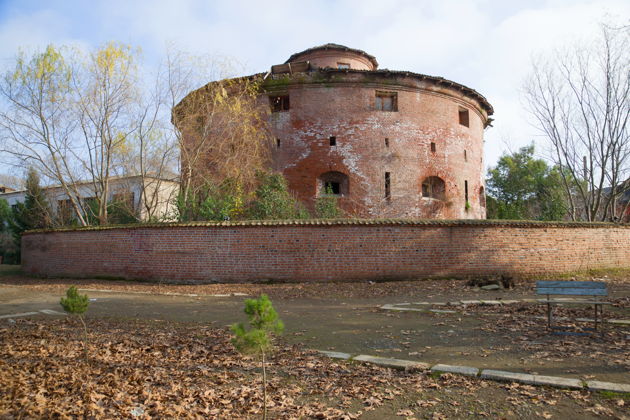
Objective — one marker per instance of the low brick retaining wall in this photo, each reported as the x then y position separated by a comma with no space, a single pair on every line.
322,251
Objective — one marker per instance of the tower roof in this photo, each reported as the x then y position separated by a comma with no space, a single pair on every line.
337,47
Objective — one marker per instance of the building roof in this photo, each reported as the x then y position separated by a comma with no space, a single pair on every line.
337,47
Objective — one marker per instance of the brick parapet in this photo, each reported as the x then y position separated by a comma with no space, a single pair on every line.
323,251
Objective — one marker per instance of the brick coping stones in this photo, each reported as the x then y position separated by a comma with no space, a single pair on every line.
489,374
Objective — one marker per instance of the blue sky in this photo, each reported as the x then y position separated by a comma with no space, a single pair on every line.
484,44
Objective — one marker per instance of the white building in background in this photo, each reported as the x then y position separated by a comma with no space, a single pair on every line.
160,195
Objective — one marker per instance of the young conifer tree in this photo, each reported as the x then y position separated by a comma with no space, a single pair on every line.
258,339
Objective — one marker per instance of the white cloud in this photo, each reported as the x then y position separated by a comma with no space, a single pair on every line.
484,44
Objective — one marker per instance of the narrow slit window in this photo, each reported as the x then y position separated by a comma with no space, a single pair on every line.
463,117
332,140
388,186
466,190
278,143
279,103
432,147
465,156
386,142
386,101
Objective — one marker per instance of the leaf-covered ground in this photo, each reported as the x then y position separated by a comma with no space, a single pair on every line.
157,369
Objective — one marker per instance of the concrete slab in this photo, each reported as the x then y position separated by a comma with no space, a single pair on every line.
491,302
51,312
471,302
499,375
558,382
335,354
18,315
421,303
509,302
460,370
408,365
607,386
442,311
619,321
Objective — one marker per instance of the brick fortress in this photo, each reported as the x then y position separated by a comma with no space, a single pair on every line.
388,144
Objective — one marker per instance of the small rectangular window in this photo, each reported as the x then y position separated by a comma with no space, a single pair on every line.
279,103
386,142
342,66
463,116
432,147
386,101
333,140
278,143
388,186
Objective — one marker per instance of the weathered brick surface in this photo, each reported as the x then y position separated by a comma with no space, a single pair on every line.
320,253
424,137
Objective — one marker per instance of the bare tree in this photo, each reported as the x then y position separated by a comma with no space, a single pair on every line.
222,132
580,99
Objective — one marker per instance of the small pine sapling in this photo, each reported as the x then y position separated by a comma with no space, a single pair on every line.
77,304
258,339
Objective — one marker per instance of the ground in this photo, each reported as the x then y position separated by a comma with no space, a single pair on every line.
157,349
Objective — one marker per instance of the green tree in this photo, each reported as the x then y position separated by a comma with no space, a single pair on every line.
522,187
272,199
8,247
33,213
258,339
327,206
77,304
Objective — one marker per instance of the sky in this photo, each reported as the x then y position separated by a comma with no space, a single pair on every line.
484,44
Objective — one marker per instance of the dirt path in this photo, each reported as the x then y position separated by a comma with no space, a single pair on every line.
352,322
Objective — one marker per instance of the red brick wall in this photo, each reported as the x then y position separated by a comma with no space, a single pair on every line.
248,252
343,105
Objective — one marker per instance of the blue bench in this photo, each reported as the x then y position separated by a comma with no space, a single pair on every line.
596,291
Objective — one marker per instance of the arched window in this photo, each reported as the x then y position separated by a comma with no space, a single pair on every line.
482,197
434,187
333,183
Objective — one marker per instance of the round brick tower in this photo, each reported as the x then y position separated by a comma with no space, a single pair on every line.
387,143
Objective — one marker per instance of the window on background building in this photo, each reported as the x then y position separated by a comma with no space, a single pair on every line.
332,140
434,187
386,101
432,147
342,66
386,142
278,143
279,103
482,197
333,183
388,186
463,116
465,156
466,191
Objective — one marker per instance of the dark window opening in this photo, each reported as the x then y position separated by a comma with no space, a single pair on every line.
333,140
386,101
434,187
466,190
332,183
482,197
465,156
433,147
388,186
463,116
278,143
331,187
279,103
386,142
